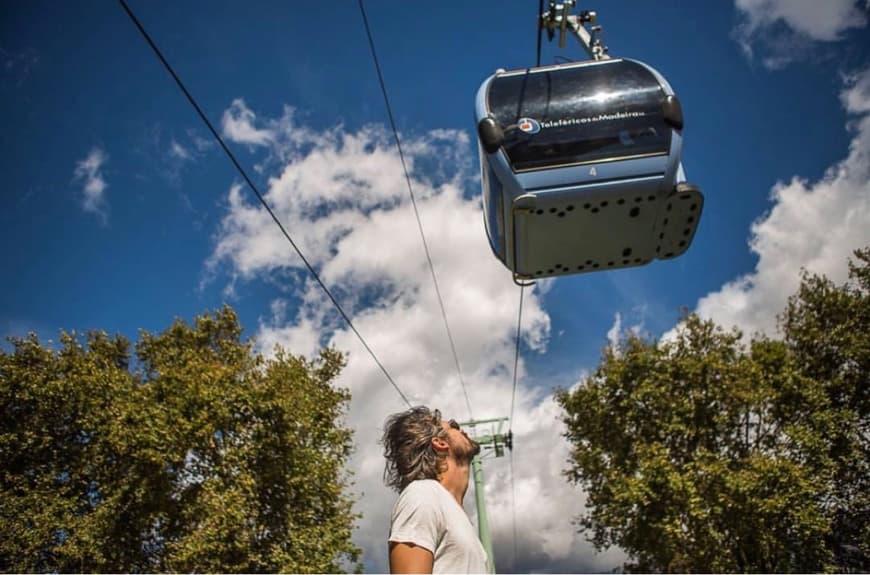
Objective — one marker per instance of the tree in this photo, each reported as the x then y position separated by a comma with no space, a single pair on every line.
193,454
702,454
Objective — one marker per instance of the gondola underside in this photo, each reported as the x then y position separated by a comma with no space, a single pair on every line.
561,233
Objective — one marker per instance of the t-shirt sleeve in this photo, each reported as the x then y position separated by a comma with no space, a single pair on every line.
417,519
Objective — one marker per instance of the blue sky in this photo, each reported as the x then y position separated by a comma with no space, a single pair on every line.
121,213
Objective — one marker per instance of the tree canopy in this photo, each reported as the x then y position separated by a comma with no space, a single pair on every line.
189,452
703,454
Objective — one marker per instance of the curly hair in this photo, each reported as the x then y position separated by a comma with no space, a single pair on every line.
408,447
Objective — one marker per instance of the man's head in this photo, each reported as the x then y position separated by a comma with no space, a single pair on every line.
418,443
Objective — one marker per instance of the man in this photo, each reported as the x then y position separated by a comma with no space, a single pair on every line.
428,461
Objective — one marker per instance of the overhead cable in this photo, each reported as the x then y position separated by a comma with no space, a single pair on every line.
253,188
414,203
517,354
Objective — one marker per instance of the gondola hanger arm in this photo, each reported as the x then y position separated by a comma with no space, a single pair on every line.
558,17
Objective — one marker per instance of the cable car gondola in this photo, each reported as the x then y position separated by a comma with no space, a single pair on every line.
580,168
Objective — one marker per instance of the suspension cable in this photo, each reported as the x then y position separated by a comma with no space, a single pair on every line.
414,204
517,348
540,30
257,193
511,426
517,354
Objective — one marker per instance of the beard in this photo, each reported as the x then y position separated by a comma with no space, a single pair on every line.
464,449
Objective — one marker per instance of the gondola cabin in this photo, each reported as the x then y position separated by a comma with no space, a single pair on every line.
580,168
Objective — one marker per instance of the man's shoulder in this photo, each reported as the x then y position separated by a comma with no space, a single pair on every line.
422,486
419,499
421,490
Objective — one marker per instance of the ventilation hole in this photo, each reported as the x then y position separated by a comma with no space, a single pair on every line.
549,271
664,223
604,204
588,262
595,266
587,206
539,212
635,211
662,236
625,262
558,266
690,220
610,264
659,249
685,197
552,210
637,260
669,255
693,207
561,214
651,198
539,272
669,207
638,199
570,208
626,252
594,210
581,268
620,201
682,243
687,231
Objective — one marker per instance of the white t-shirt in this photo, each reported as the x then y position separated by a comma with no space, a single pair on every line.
427,515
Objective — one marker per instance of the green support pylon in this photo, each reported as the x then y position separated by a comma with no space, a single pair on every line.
493,443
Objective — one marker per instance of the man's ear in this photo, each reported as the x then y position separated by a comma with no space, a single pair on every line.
439,444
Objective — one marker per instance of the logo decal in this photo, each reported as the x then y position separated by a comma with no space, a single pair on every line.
593,171
529,126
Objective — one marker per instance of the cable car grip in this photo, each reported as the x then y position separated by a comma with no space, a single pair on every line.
557,17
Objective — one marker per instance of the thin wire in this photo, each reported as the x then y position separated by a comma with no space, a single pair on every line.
414,203
517,348
540,30
258,194
511,420
514,510
517,355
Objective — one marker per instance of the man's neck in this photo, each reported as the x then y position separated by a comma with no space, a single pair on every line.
455,480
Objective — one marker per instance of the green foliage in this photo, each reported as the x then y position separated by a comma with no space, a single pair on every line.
705,455
196,455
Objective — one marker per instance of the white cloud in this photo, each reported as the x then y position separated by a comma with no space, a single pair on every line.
617,332
812,225
614,333
238,126
784,30
89,173
178,151
201,144
343,197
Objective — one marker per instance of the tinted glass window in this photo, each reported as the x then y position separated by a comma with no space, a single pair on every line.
493,208
581,114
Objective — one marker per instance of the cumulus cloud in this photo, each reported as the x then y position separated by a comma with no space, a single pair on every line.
344,199
89,173
811,225
781,31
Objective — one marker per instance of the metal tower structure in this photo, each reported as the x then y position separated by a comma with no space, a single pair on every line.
489,433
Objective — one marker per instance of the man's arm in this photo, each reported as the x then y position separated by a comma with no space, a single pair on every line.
410,558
